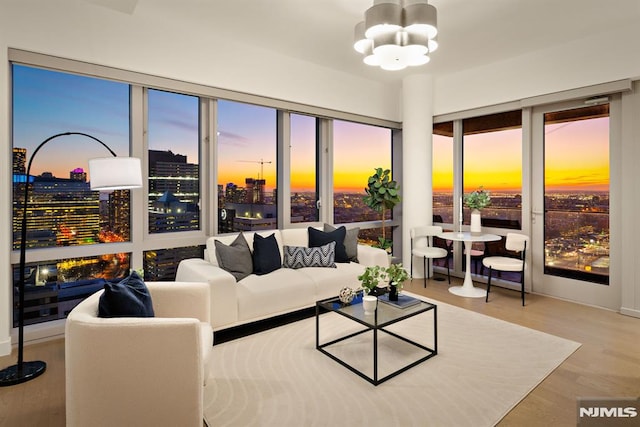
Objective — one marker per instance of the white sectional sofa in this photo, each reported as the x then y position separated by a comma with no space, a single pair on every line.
284,290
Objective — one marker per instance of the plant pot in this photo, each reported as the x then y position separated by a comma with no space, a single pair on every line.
393,292
476,223
377,291
369,303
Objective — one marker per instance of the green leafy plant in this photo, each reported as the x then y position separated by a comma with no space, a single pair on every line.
397,274
371,277
478,199
383,194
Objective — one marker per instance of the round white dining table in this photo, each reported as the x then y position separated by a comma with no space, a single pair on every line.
467,289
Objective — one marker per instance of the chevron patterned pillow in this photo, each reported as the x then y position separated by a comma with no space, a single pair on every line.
299,256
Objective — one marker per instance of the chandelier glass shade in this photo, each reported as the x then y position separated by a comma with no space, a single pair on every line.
396,34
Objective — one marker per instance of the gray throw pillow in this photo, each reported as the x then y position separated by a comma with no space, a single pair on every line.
299,256
350,241
235,258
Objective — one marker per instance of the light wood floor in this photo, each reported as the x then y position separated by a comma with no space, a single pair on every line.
607,364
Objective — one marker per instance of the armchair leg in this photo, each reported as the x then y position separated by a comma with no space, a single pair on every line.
411,268
427,272
522,288
486,299
446,260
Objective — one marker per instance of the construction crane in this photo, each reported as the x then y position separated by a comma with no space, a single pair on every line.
261,161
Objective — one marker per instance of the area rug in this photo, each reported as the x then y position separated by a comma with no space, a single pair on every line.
483,368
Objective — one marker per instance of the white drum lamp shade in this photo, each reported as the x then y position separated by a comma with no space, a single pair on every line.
115,173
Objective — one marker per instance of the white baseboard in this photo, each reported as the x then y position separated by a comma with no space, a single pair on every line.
5,347
630,312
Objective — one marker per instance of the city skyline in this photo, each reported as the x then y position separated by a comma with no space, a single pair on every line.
64,102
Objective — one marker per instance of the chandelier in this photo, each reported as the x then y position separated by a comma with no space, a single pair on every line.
397,33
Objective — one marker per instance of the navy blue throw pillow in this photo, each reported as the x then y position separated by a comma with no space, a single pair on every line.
319,238
266,254
128,298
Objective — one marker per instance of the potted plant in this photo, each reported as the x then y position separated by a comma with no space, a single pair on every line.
397,275
476,200
371,278
383,194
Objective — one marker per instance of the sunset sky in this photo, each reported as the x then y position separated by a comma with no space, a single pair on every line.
576,158
46,103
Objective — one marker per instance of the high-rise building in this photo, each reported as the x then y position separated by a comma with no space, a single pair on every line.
119,214
174,192
78,174
19,161
255,190
61,212
162,264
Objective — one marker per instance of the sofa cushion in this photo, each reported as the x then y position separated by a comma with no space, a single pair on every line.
266,254
299,257
329,281
127,298
350,241
295,237
278,292
319,238
235,258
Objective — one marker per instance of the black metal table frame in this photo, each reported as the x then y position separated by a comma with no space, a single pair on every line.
375,327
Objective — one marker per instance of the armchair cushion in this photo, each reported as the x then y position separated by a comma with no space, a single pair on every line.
127,298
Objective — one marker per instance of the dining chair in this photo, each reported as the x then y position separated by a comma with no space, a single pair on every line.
422,246
517,244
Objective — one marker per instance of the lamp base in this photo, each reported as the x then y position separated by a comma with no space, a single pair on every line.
13,375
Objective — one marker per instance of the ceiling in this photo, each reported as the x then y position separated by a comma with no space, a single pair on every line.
471,32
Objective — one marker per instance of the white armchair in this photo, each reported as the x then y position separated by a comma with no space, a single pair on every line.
132,371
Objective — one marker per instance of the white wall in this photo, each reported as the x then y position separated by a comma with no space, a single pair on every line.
604,57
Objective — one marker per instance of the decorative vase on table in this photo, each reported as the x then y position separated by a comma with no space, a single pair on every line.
476,223
369,303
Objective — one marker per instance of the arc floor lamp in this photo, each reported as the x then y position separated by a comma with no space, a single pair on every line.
106,173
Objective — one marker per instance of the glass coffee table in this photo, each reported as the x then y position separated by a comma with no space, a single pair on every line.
384,316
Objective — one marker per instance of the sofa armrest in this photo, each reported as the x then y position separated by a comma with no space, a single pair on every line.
370,256
181,299
222,287
132,371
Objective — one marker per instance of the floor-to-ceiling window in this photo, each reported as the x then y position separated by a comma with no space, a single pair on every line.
576,193
174,178
443,172
358,149
247,157
492,159
62,211
188,139
304,176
